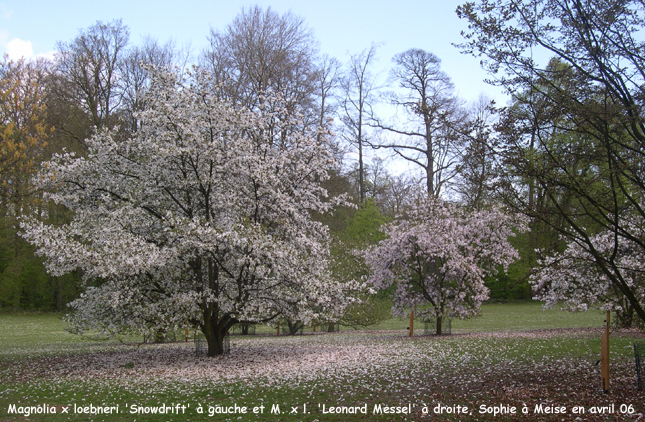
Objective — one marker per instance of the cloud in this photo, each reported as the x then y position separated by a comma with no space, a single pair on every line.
17,48
48,55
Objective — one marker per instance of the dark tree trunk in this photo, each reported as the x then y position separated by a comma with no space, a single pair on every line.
215,330
294,327
160,336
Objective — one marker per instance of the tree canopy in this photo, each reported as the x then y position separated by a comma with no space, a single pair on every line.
577,130
201,217
438,257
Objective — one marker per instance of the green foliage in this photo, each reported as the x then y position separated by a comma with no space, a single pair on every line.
364,227
509,286
514,283
370,311
24,282
361,229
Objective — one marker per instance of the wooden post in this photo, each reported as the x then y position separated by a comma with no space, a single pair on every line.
314,328
604,358
277,328
411,323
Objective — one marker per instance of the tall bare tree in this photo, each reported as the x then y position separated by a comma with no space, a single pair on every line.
328,81
426,134
262,51
89,66
359,88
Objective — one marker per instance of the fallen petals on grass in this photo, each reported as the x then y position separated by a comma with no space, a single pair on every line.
511,368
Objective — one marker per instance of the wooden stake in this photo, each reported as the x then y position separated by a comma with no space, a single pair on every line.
604,358
411,323
278,328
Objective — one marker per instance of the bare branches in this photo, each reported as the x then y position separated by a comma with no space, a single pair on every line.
90,63
358,87
430,136
576,133
262,51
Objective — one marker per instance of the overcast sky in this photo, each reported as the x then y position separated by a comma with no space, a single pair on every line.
32,28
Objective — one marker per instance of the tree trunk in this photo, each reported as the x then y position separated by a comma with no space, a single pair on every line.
160,336
439,322
215,343
215,331
59,294
294,327
361,170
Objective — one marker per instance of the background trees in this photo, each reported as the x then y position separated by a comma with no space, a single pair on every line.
582,143
24,133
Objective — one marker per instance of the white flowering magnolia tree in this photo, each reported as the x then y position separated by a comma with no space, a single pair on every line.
438,256
575,279
202,217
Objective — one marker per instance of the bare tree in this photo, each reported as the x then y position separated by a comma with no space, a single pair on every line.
428,133
359,88
477,169
262,51
400,194
136,76
89,67
328,81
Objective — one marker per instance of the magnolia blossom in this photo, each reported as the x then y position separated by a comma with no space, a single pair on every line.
439,255
574,278
201,217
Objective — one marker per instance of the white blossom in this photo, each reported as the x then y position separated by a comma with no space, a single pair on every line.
573,277
202,217
439,255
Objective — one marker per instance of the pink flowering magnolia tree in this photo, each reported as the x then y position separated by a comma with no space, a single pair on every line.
575,279
437,257
201,217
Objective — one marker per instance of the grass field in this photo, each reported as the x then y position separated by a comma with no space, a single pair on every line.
20,331
515,355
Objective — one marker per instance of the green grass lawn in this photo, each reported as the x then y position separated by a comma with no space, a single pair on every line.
497,317
22,331
527,316
509,356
